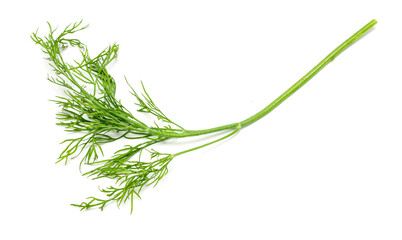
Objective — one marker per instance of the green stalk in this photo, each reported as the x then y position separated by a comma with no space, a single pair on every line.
284,95
309,75
210,143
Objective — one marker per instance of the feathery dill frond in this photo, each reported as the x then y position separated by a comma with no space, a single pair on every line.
90,109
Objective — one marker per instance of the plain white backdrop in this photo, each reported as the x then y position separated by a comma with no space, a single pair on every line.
326,164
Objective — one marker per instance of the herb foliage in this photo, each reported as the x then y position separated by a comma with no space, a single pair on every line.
91,109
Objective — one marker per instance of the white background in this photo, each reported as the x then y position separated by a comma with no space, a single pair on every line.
326,164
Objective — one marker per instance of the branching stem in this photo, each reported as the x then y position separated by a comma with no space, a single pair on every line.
330,57
210,143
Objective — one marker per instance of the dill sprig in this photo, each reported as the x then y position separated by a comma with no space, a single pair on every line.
90,108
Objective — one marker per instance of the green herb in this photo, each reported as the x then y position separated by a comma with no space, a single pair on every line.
90,108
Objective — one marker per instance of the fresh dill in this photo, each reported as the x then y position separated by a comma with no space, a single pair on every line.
90,108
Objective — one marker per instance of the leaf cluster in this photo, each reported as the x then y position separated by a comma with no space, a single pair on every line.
91,109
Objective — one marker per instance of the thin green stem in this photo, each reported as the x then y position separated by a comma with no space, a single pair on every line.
284,95
210,143
309,75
